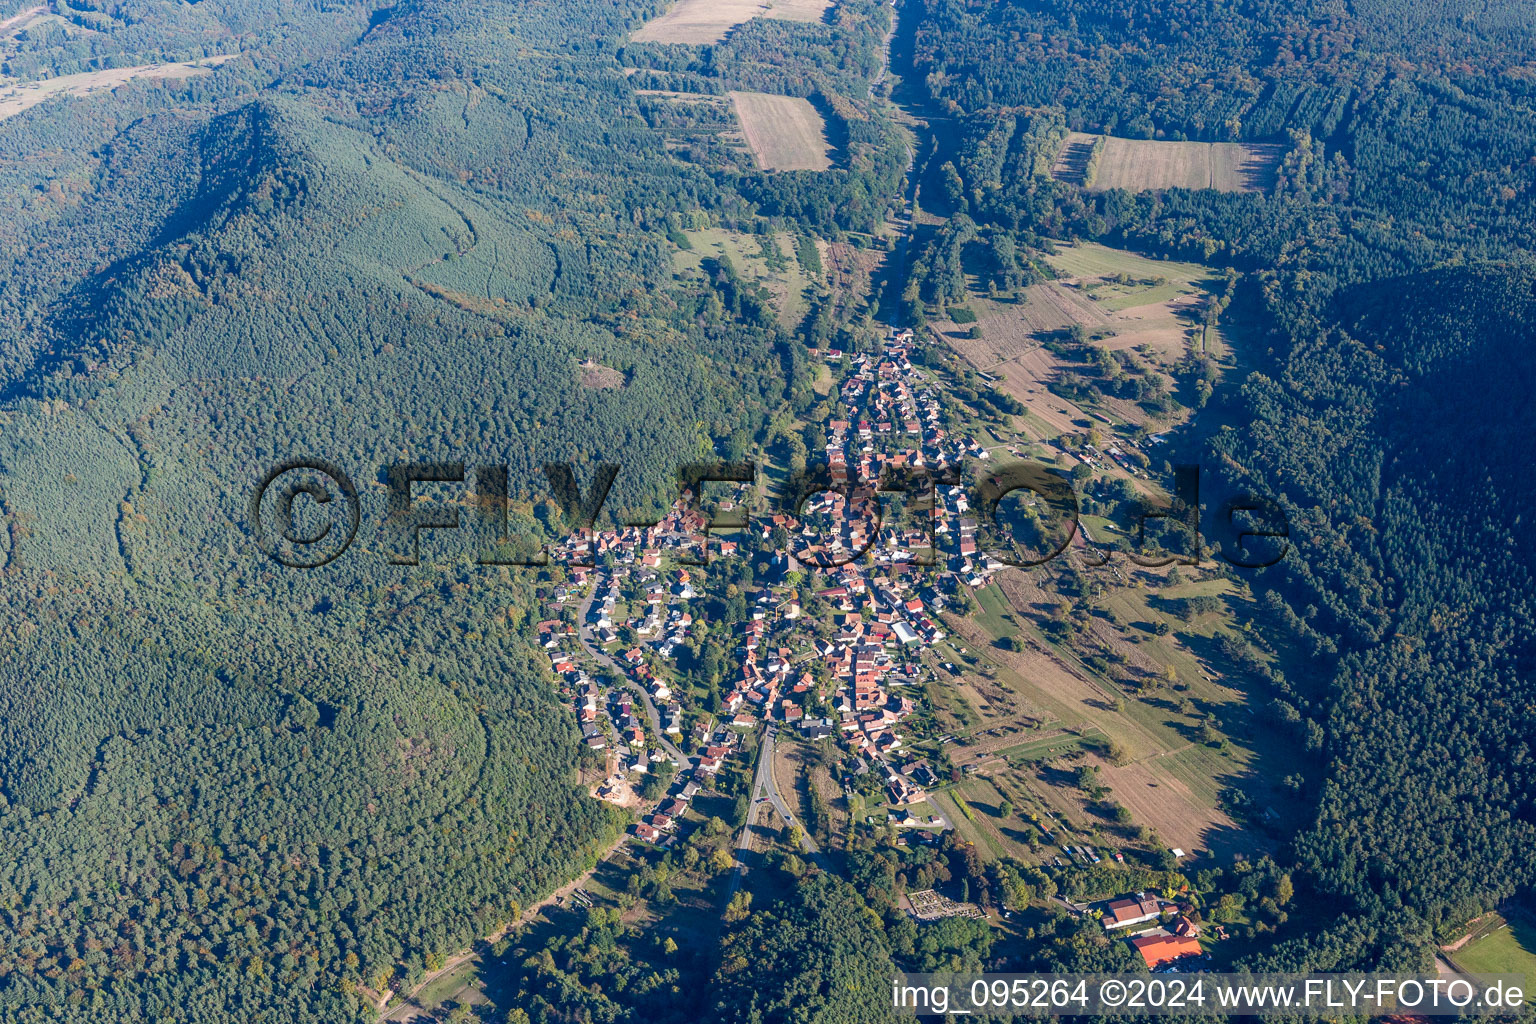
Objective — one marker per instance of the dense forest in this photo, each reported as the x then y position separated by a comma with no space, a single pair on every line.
381,234
390,232
1384,294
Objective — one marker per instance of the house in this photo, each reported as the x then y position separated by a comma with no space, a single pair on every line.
1130,910
1158,950
645,833
816,728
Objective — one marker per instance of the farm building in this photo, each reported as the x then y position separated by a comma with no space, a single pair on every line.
1130,910
1158,950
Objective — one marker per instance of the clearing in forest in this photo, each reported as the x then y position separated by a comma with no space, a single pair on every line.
1123,301
596,376
701,22
21,96
785,133
1155,796
1499,946
766,260
1103,162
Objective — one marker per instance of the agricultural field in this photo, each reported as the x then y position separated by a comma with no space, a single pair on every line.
975,807
702,22
1145,725
21,96
1150,309
767,260
785,133
1139,165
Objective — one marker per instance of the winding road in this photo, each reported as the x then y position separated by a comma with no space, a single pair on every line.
584,635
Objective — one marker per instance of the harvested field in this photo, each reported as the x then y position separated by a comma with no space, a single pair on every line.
797,10
23,96
1009,329
1139,165
701,22
785,133
1159,800
1026,376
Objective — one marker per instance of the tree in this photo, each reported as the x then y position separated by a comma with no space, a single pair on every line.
739,907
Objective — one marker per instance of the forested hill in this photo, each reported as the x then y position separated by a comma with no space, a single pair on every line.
1384,309
1396,436
233,791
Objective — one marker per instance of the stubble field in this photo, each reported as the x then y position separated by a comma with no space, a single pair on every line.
785,133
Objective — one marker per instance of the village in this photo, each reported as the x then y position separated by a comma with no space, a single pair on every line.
847,669
844,684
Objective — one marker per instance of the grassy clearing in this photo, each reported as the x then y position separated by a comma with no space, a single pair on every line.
1042,749
460,985
1509,948
992,609
1090,259
767,260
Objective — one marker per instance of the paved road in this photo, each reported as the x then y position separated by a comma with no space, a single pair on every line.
938,810
1445,969
764,786
759,782
885,54
766,781
1076,908
584,634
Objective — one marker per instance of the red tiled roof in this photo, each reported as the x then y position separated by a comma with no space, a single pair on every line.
1162,949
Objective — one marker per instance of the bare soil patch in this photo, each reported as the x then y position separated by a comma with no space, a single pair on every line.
598,377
